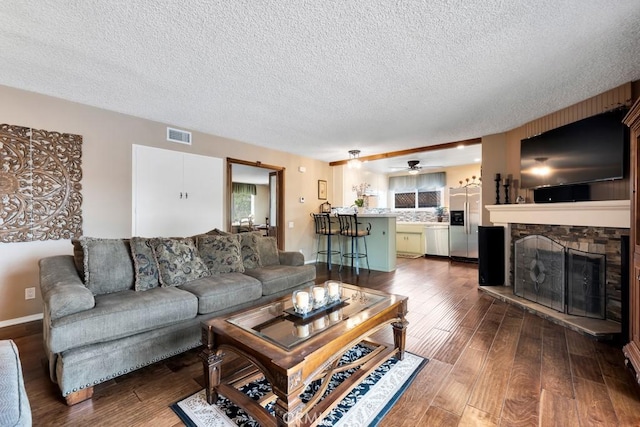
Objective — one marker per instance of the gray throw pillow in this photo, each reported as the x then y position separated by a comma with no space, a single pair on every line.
178,261
145,265
221,253
268,250
249,247
108,266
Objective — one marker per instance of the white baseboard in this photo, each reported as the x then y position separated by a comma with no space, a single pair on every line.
19,320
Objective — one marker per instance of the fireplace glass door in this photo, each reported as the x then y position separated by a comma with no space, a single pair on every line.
539,271
586,284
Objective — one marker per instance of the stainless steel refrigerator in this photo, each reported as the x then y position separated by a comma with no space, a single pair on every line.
464,218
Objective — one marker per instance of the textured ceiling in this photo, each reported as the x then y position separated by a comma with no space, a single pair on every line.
317,78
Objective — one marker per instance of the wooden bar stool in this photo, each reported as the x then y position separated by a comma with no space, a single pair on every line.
351,228
325,227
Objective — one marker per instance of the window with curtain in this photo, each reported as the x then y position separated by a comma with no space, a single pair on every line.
243,199
418,191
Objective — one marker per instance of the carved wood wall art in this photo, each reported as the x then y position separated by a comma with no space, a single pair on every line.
40,174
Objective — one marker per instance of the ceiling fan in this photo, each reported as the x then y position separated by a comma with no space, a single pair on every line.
413,167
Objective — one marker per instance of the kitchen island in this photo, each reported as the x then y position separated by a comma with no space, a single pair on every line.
381,244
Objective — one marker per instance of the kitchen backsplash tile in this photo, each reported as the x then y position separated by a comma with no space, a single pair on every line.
403,215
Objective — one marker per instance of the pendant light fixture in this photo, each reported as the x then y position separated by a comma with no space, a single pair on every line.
354,159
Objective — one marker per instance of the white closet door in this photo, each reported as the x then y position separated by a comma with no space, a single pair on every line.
203,191
157,183
175,194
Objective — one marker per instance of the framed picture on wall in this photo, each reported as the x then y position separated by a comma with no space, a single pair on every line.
322,190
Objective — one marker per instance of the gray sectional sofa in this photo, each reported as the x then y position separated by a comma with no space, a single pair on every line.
15,410
117,305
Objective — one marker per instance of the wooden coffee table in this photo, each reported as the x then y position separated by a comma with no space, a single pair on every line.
292,352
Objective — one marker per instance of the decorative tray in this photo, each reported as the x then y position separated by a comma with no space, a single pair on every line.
316,311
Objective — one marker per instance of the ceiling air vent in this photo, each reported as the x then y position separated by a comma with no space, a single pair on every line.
179,136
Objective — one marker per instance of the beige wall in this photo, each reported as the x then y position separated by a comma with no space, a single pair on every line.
106,183
494,160
459,173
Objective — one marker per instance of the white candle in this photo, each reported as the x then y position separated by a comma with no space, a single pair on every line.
318,293
334,316
302,300
302,330
334,289
320,323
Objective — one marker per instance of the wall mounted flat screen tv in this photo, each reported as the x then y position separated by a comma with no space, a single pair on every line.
589,150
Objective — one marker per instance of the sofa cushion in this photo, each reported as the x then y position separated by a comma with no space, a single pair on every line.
178,261
220,253
250,254
144,263
122,314
223,291
268,250
14,404
276,278
291,258
108,266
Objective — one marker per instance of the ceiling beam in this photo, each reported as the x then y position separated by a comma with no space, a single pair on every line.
390,154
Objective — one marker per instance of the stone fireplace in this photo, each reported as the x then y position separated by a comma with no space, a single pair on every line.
572,262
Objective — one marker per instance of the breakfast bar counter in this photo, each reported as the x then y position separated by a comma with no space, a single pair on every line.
381,244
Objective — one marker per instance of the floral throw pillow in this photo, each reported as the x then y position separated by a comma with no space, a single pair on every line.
144,262
178,261
221,253
249,247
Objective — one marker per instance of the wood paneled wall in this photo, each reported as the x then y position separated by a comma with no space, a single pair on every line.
610,100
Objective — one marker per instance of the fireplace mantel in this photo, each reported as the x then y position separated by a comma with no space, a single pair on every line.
608,213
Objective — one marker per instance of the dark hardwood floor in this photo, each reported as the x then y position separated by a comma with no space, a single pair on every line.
491,364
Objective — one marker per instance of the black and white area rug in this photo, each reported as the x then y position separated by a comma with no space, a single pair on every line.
365,405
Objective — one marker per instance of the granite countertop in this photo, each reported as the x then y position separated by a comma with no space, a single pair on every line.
422,223
377,215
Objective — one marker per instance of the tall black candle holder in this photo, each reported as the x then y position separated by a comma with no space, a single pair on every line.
497,188
506,192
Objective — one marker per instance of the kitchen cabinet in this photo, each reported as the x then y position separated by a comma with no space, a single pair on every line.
175,193
632,349
410,243
410,238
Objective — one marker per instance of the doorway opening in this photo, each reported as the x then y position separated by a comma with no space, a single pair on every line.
255,197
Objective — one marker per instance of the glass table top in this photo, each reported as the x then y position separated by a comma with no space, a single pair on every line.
275,323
